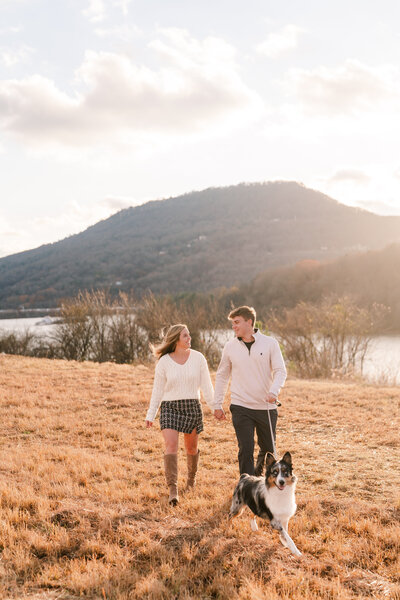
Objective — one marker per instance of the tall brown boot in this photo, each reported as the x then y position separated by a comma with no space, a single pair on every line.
192,462
171,475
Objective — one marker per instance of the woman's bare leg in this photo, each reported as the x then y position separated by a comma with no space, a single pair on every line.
191,442
192,455
171,440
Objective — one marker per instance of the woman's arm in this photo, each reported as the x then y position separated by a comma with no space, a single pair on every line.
160,379
206,385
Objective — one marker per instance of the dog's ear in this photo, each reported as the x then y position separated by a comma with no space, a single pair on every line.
270,460
287,458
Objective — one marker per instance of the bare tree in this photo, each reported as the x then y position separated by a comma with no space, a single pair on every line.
326,339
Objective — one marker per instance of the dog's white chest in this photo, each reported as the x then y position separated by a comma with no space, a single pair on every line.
281,502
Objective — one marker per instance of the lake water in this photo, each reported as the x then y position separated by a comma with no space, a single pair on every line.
34,325
382,363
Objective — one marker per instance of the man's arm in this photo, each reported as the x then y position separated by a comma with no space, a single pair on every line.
278,369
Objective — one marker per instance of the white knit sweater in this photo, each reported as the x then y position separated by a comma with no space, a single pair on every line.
173,381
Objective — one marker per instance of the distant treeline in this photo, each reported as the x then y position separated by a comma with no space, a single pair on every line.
97,326
318,340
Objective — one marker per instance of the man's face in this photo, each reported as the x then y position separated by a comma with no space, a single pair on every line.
241,327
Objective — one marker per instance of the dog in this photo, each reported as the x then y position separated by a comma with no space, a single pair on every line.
272,497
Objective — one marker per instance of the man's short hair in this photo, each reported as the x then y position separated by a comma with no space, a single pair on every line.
247,312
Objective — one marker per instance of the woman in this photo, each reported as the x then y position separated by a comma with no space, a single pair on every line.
180,374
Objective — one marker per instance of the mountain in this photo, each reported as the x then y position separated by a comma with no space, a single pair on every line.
195,242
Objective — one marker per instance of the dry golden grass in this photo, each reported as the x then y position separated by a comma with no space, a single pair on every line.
83,500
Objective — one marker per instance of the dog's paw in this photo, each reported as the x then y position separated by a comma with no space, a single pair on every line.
253,525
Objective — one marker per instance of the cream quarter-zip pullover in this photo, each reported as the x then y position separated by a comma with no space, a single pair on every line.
254,373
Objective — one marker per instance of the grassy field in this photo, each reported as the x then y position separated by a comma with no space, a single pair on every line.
83,500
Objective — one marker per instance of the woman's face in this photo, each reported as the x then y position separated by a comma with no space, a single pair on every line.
184,340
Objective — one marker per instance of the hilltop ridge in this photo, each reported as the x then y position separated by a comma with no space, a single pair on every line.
218,237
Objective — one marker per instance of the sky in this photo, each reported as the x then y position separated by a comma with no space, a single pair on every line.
106,104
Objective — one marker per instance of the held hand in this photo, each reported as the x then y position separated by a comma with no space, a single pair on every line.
219,414
149,424
271,399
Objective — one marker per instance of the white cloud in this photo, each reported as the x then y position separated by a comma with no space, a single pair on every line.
34,104
96,10
196,89
355,176
116,204
123,32
12,56
373,187
123,5
348,89
280,42
11,30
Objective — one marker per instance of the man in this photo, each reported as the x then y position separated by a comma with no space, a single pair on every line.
255,363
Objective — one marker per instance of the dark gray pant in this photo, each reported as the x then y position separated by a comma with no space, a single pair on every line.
245,421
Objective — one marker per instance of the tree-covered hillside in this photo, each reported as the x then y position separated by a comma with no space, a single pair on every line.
370,278
195,242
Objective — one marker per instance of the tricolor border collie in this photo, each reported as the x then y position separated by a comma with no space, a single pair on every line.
272,497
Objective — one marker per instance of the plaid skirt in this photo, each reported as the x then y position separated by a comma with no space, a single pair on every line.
181,415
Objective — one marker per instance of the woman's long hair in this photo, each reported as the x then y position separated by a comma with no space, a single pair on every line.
170,339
